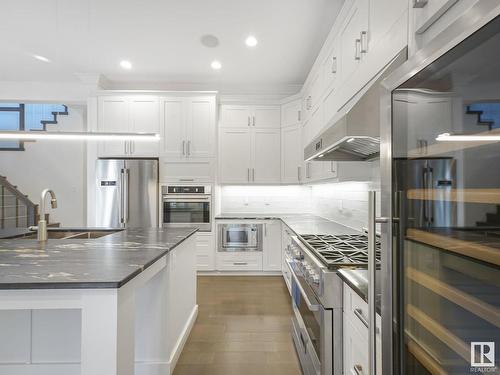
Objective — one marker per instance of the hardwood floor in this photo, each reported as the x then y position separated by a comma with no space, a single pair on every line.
243,328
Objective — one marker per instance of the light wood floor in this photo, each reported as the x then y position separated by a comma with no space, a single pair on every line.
243,328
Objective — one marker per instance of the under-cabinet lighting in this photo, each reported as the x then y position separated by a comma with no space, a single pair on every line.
97,136
447,137
42,58
350,140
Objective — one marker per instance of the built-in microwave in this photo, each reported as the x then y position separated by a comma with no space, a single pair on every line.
240,237
187,206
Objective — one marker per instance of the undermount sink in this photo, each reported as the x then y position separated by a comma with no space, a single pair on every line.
66,234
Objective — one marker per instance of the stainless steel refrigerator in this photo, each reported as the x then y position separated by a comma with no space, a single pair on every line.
126,193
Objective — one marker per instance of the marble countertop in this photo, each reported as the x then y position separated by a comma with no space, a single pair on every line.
106,262
301,224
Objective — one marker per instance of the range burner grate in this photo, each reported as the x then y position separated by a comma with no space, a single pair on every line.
345,250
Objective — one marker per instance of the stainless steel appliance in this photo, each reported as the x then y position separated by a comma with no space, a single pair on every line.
354,134
240,237
314,261
126,193
440,293
187,206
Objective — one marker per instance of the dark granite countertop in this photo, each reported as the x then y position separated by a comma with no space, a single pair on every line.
106,262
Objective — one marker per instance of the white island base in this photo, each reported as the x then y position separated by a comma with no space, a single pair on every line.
139,328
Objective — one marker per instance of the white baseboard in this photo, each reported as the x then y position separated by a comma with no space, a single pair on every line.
240,273
163,368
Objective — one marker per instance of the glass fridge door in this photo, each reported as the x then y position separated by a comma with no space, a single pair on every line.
446,206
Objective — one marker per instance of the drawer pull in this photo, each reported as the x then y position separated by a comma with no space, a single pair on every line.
358,369
240,263
359,314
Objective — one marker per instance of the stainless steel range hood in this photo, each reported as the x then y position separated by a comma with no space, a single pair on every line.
354,133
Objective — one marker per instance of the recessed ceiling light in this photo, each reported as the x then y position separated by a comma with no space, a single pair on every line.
41,58
125,64
251,41
216,65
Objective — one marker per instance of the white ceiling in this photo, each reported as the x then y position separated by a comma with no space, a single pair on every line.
162,40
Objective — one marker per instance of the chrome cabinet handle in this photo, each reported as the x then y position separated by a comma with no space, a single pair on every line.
188,148
248,122
364,42
359,314
298,173
358,369
419,3
240,263
309,102
184,148
334,64
265,229
253,120
298,115
357,46
248,174
186,179
253,174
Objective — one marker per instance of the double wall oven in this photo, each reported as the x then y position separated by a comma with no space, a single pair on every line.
187,206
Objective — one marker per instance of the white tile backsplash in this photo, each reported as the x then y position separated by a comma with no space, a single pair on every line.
343,202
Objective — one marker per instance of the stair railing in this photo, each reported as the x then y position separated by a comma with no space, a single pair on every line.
22,212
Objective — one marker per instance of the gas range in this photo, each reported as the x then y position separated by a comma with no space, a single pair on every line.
341,250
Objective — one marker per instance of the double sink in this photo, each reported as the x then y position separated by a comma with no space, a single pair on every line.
69,233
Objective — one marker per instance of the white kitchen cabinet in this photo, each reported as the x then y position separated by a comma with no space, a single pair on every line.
239,261
235,155
292,154
272,251
123,114
354,38
331,66
250,155
255,116
199,170
188,127
266,149
205,251
291,113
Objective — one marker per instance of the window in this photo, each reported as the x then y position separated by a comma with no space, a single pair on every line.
29,117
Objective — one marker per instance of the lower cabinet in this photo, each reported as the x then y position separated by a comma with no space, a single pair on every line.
205,251
272,246
355,320
239,261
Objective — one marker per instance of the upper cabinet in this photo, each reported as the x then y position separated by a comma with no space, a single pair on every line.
263,116
291,113
122,114
188,127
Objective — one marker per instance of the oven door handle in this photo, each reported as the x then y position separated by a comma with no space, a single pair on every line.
311,306
200,199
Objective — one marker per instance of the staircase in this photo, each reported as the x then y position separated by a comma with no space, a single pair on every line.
16,210
488,114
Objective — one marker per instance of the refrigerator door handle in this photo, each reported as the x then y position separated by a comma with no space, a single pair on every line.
125,196
122,194
372,271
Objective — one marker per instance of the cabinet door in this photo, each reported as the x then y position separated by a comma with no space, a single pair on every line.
113,117
266,150
314,170
271,256
205,252
173,115
290,113
145,118
331,66
330,169
235,116
266,117
200,127
292,154
235,155
350,37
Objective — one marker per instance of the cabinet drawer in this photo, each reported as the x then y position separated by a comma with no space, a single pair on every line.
355,350
356,310
239,261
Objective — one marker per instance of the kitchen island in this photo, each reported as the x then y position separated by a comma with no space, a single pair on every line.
122,304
